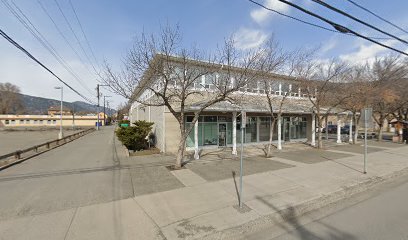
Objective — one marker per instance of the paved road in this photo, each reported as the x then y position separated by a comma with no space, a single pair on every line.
83,172
382,216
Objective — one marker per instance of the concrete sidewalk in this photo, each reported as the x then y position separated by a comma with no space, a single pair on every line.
208,209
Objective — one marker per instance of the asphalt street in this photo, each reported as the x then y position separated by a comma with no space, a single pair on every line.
383,215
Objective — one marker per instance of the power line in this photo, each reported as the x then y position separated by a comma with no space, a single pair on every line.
341,28
358,20
60,32
8,38
294,18
76,37
83,33
378,16
23,19
307,23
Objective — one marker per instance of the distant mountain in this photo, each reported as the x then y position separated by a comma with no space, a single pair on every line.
39,105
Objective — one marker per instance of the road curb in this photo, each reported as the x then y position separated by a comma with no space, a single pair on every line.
295,211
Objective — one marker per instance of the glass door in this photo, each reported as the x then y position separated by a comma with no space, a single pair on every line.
222,134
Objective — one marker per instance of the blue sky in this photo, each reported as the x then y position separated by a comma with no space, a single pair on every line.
110,27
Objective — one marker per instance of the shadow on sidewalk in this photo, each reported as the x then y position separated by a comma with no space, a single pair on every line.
292,225
236,186
345,165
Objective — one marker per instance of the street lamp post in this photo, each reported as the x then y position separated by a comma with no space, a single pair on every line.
104,109
61,135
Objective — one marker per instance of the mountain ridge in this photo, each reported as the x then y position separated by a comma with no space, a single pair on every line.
40,105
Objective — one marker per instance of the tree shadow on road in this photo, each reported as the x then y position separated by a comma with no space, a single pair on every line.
293,226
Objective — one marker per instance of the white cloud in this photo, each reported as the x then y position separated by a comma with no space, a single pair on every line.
247,38
328,45
33,80
261,15
367,53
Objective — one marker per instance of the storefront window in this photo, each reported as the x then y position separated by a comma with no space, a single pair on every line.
264,128
210,133
251,133
190,138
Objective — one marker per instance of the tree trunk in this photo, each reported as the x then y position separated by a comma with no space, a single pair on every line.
182,146
380,133
319,133
356,128
180,153
327,127
269,147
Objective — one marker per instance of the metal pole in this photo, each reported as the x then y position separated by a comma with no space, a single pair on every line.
97,108
365,142
104,110
73,116
60,133
241,166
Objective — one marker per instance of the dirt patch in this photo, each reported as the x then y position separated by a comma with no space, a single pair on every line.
150,151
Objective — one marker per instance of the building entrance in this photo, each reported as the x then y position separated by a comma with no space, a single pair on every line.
222,134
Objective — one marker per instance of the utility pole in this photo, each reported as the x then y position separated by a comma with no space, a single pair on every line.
60,135
97,107
98,96
109,111
73,116
104,109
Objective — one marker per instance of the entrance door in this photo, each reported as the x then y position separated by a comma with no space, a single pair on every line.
222,134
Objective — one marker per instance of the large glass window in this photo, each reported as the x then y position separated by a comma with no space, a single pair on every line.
210,133
251,130
190,138
264,128
229,132
210,81
294,128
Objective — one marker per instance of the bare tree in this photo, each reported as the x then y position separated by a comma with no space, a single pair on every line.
10,101
323,83
273,60
358,85
387,99
169,75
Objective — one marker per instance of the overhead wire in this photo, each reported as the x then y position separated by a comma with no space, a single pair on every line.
341,28
23,19
83,32
326,5
75,35
376,15
9,39
306,22
60,32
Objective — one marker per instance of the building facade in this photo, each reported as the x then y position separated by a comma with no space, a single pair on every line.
219,126
33,121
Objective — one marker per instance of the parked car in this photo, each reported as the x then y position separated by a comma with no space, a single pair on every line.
346,129
330,129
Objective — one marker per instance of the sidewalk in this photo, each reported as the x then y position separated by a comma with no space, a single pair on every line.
206,208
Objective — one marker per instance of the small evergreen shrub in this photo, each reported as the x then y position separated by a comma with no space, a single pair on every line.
134,137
